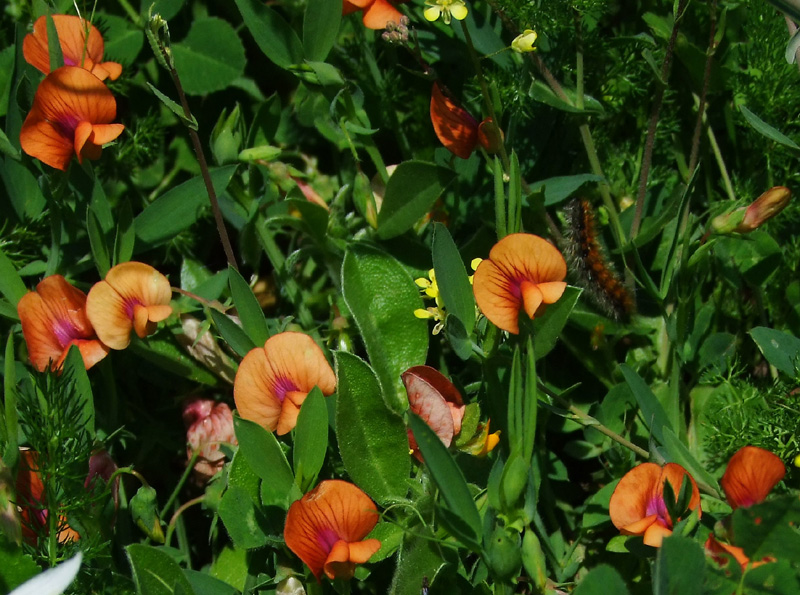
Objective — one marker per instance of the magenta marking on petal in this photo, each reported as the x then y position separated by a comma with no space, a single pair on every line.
65,332
326,539
657,506
129,305
282,386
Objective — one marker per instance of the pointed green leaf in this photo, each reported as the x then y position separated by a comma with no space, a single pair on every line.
272,33
452,278
155,572
547,328
250,313
310,439
780,349
653,413
762,127
75,371
320,28
232,333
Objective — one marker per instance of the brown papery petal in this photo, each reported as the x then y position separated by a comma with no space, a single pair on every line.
428,403
750,476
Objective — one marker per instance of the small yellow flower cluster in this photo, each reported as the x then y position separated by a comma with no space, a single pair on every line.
429,289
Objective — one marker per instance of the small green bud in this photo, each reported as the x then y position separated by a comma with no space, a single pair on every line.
144,512
503,554
227,137
260,153
533,560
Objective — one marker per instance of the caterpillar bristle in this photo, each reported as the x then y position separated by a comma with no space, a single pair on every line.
589,266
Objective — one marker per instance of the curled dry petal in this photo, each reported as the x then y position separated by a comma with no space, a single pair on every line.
433,398
208,425
327,526
637,505
77,49
133,296
523,272
71,115
750,475
455,128
273,381
53,319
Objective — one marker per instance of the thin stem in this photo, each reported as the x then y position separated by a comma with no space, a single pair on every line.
181,509
201,159
726,179
588,421
207,303
654,117
181,482
712,46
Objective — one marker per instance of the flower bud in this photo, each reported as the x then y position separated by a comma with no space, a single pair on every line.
101,468
227,137
524,41
490,136
765,207
208,424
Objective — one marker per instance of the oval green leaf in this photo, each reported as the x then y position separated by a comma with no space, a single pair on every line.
210,58
320,28
250,313
452,279
272,33
310,439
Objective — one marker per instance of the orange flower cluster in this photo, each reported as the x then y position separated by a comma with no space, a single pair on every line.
457,130
73,110
326,529
133,296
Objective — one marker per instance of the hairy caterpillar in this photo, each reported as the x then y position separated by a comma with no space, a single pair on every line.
589,264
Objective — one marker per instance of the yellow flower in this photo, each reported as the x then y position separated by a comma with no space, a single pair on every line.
456,9
524,42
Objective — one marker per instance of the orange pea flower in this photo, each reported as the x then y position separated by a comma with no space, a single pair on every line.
750,475
273,381
377,13
78,49
327,526
523,271
434,399
53,319
457,130
31,501
637,505
71,115
133,296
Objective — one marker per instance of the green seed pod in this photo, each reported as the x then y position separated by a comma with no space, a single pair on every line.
503,554
533,560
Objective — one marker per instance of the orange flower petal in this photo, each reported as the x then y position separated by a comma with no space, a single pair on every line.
523,271
628,504
68,104
455,128
750,475
273,381
378,14
133,296
325,526
77,49
655,534
54,318
714,548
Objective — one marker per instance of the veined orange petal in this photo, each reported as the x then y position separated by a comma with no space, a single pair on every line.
133,296
77,49
54,318
325,526
455,128
523,271
628,504
378,14
69,106
640,526
750,476
287,367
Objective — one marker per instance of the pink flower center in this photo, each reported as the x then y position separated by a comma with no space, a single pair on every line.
283,386
657,506
327,538
129,305
65,332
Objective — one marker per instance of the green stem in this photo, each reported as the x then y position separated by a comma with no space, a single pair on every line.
181,509
132,14
181,482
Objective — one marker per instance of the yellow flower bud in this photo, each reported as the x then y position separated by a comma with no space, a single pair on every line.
524,41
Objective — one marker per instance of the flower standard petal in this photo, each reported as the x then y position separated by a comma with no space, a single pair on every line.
66,101
455,128
53,319
378,14
274,380
628,504
523,271
325,528
133,296
77,49
750,475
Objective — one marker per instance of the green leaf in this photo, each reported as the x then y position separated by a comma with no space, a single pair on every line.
382,297
780,349
155,572
547,328
272,33
310,439
53,45
769,529
250,313
762,127
792,47
601,580
97,243
126,234
10,418
176,210
410,193
210,57
232,333
779,578
655,418
372,441
452,279
22,190
265,457
679,453
167,355
207,584
175,108
11,286
75,371
16,567
680,566
243,521
539,91
320,28
451,483
558,189
123,40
